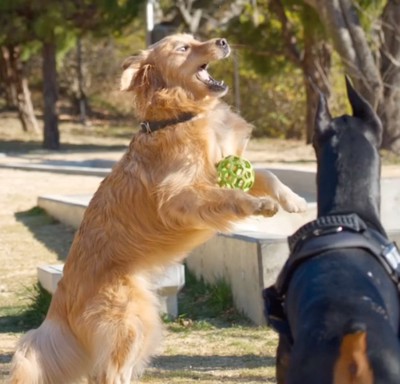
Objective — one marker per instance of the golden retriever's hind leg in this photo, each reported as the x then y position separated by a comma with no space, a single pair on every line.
126,333
267,184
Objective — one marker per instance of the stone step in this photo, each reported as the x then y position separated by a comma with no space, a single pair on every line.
167,285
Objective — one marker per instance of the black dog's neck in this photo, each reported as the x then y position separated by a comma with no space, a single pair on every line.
366,209
342,189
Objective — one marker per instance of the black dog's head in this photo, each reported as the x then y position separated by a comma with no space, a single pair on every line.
348,175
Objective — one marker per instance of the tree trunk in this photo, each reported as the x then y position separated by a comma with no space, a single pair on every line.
377,80
6,77
82,99
17,90
51,137
388,109
343,25
316,65
314,60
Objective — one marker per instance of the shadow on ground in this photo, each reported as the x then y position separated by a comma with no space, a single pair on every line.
21,146
56,236
209,363
209,368
21,319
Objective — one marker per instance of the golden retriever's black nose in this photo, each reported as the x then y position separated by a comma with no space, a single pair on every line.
222,43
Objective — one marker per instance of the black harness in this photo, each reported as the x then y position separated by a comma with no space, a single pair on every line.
325,234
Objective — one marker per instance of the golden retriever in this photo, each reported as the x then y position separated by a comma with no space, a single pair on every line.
159,202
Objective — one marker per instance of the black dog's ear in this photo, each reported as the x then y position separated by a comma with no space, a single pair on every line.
363,110
323,116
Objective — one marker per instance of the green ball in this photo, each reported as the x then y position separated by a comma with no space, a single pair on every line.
235,172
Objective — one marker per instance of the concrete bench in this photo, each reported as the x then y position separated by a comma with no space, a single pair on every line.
168,286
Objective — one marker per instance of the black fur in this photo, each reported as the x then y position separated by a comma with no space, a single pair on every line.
342,289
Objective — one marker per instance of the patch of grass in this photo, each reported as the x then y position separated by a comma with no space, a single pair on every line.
35,216
34,211
40,300
16,319
203,303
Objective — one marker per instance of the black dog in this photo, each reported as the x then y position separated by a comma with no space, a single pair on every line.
336,301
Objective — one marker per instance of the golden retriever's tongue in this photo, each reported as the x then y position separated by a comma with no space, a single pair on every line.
204,75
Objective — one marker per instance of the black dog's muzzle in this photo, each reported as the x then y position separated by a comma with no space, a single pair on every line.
325,234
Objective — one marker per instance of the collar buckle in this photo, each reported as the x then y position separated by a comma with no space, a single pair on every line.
145,126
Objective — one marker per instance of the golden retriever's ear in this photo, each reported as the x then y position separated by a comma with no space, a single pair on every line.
130,67
148,78
140,74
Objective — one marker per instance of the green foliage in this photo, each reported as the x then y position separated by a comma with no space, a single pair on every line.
369,12
272,102
267,55
271,86
35,211
24,21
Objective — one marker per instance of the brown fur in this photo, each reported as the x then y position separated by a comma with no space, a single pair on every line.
159,202
352,366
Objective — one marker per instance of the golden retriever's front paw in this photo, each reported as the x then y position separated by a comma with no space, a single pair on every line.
292,202
267,207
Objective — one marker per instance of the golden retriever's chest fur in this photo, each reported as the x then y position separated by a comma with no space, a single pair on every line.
189,149
229,133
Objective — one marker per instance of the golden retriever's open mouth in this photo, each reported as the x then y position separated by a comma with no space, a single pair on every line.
214,85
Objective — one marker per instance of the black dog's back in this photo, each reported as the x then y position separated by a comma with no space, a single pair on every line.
341,306
329,294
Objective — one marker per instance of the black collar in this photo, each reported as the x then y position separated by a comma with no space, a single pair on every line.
151,126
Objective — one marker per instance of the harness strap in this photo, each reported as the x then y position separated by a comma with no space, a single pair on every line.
319,236
322,225
370,240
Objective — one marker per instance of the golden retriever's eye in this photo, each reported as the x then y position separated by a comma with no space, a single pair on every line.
182,48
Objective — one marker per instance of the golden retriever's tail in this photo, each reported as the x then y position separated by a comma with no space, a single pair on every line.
48,355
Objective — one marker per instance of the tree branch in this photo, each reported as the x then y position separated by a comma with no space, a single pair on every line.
390,46
343,25
191,20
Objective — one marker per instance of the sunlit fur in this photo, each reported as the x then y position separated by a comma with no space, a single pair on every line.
159,202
